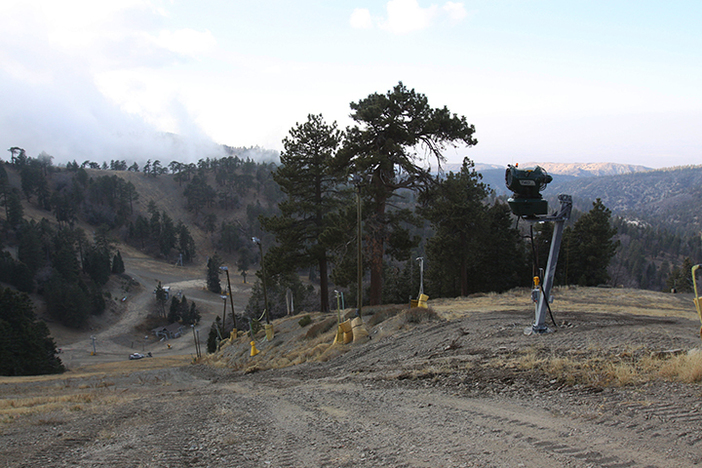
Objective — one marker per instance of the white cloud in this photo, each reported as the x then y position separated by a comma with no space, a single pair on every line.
84,80
361,19
406,16
455,11
186,41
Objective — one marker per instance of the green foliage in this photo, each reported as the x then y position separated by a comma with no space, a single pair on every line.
474,247
14,209
181,311
30,247
68,303
400,284
199,194
213,337
186,243
213,264
161,299
306,177
117,264
16,273
680,278
96,264
110,201
588,248
382,147
304,297
26,348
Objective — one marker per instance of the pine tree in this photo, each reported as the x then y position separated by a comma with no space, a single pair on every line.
382,146
213,264
311,187
589,247
454,208
117,264
161,299
26,348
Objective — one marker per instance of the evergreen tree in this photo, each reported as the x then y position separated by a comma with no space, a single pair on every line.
168,236
14,209
174,310
306,178
680,279
69,303
186,243
213,264
589,247
214,335
161,299
26,348
29,249
117,264
244,262
454,208
192,316
383,145
96,264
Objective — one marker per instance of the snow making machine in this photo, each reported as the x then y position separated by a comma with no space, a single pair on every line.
527,203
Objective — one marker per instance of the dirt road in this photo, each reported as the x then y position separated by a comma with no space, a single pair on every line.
466,389
119,334
303,417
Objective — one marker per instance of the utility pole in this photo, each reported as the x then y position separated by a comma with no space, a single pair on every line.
359,247
421,275
224,314
231,298
257,241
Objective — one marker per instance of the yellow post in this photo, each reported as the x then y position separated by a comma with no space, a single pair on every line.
254,351
696,299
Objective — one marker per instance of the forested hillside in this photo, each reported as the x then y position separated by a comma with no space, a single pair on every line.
666,198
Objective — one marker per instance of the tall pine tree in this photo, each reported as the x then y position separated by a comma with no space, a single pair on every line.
383,147
311,190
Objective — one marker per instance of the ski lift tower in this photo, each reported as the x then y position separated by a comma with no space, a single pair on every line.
528,204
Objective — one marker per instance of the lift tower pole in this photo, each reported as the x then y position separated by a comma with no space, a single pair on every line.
559,220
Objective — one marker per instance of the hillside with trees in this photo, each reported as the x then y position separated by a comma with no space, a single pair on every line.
62,227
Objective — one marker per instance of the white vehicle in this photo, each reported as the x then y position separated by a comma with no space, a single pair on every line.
138,356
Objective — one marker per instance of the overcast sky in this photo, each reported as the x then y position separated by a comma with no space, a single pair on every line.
547,81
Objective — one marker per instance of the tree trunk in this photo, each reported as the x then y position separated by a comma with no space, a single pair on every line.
323,285
464,267
376,234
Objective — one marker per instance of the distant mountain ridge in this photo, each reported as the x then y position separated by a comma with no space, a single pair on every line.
669,197
568,169
589,169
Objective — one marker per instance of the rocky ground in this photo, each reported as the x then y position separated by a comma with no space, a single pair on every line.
463,388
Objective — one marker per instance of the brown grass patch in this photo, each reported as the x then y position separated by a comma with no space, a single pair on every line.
600,369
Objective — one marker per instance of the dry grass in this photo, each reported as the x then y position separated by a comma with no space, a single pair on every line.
55,406
600,369
683,368
572,299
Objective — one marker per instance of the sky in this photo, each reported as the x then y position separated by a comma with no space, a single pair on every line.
545,81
